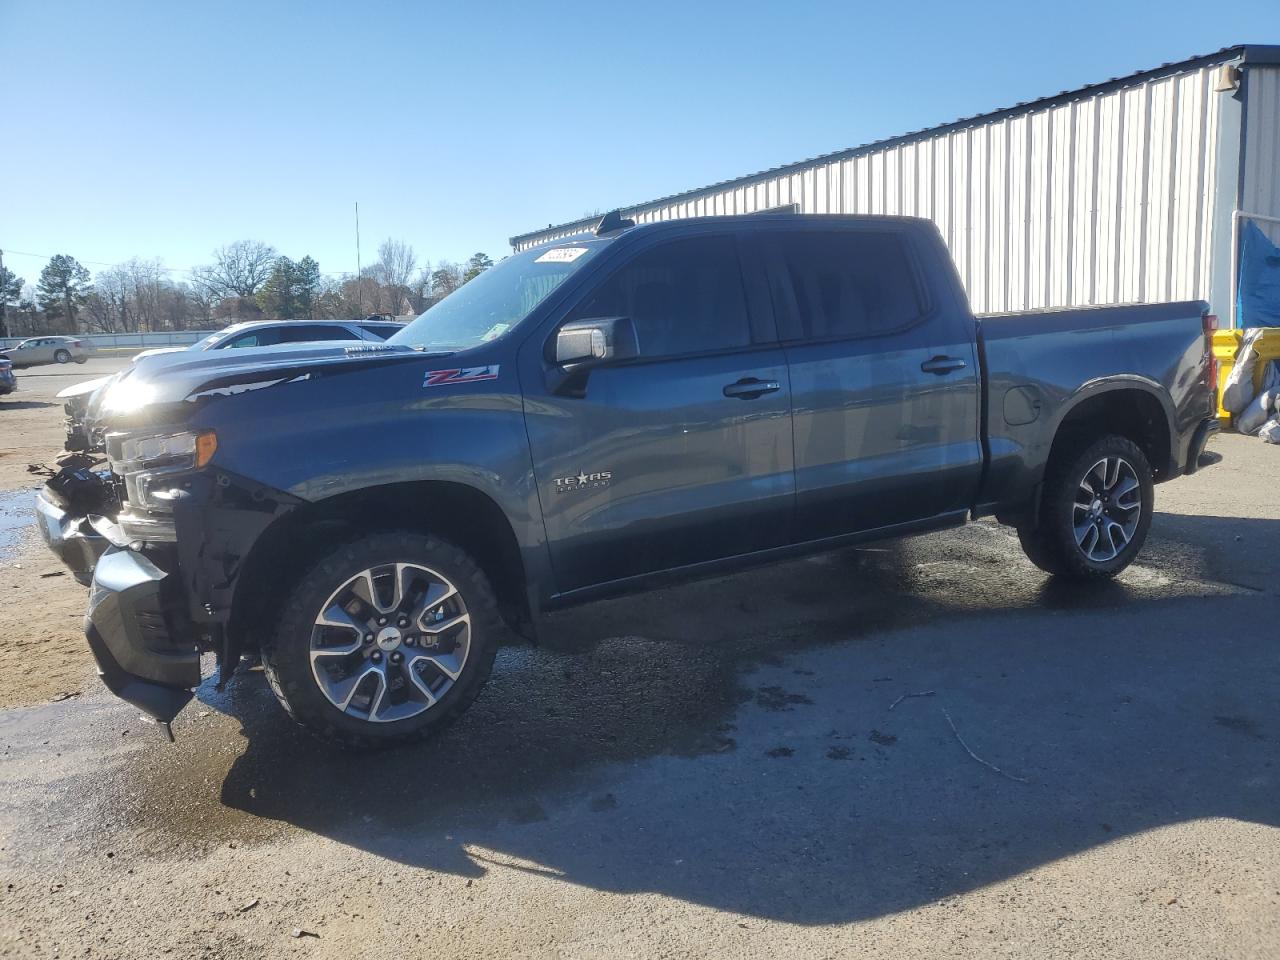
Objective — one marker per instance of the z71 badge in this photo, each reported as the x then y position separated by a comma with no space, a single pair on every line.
443,378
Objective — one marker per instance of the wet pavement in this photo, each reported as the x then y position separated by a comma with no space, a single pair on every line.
15,519
917,748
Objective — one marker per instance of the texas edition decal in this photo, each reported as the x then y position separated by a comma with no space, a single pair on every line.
441,378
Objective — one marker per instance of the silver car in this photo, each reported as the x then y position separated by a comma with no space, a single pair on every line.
39,350
269,333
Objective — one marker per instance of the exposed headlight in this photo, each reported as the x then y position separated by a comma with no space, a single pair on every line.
149,466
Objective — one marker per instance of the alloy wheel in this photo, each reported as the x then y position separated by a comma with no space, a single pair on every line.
1107,509
390,642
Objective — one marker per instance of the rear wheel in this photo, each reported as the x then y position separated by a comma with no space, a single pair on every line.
384,641
62,356
1095,510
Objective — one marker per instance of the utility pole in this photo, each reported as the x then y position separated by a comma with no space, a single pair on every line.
357,238
4,308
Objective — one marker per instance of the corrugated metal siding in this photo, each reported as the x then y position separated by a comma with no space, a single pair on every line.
1104,199
1260,191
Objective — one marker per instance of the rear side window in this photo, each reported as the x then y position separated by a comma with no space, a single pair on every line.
684,297
304,332
847,284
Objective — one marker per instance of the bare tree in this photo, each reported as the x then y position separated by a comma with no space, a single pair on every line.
147,282
420,288
395,263
238,269
109,310
446,278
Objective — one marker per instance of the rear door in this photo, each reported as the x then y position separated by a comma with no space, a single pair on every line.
682,455
884,379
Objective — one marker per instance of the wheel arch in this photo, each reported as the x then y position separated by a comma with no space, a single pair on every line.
457,512
1131,406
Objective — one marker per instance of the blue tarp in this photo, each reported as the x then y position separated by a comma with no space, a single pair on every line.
1258,295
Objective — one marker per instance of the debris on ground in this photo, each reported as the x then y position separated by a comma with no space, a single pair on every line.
992,766
905,696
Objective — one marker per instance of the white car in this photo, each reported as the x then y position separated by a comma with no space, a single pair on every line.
268,333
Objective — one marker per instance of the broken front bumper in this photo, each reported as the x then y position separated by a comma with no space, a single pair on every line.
72,538
128,625
145,653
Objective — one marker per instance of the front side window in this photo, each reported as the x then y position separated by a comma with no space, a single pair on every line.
499,299
683,297
848,284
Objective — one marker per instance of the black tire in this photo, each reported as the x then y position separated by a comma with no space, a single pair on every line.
62,356
1051,543
286,659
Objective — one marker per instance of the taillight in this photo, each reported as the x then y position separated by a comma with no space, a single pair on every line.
76,343
1209,323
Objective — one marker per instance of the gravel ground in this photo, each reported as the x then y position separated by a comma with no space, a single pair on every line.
725,768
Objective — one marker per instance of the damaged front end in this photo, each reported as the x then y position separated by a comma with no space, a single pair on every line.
162,542
161,529
113,512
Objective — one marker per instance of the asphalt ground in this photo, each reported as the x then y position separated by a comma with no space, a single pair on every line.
916,749
48,378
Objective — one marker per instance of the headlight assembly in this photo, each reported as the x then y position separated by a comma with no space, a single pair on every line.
150,465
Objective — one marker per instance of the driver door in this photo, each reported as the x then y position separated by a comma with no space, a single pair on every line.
40,351
682,455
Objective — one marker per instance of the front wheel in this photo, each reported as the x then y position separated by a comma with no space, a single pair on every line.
384,641
1095,510
62,356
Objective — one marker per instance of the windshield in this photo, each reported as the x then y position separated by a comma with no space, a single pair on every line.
486,307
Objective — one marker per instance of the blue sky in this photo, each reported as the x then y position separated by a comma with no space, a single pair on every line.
167,129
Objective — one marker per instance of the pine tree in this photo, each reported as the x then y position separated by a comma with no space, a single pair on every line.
478,264
290,292
62,289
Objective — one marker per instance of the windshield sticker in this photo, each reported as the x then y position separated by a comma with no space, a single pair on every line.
497,330
441,378
561,255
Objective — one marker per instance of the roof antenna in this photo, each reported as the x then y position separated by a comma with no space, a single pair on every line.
611,222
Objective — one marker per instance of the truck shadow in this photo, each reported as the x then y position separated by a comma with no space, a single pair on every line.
732,743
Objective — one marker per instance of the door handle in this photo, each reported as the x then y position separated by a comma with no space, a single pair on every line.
748,388
941,365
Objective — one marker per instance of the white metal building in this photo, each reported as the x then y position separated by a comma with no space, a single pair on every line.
1130,190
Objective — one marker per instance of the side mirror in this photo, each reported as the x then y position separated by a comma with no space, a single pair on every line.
583,344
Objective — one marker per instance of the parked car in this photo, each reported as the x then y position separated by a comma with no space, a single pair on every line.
269,333
613,410
8,382
38,350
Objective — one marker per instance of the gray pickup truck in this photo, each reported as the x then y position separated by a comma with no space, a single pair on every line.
587,417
